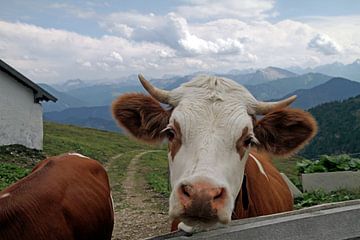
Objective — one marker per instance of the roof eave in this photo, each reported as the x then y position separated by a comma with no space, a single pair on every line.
40,94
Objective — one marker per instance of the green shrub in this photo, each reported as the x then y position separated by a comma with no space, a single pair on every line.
319,197
329,164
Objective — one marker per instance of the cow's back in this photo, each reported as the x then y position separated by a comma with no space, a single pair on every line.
263,194
65,197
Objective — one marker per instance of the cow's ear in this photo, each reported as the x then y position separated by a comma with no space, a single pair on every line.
141,115
285,131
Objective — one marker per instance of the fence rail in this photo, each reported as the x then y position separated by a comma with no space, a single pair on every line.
329,221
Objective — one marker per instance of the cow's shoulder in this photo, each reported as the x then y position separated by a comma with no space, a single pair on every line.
264,191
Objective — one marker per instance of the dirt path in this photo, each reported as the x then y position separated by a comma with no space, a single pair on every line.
139,212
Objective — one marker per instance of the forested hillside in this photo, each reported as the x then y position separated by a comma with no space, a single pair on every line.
339,128
336,89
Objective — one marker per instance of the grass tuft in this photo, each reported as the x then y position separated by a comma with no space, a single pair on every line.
156,171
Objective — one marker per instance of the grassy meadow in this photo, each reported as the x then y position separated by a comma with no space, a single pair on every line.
17,161
97,144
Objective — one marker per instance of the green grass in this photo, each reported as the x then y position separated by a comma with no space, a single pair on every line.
58,139
155,165
16,162
20,155
97,144
10,173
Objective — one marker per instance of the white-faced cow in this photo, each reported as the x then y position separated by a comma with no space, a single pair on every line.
64,198
218,151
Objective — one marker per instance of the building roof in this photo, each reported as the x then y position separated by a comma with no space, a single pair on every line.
39,93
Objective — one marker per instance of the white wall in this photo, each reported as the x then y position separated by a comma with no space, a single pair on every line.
21,119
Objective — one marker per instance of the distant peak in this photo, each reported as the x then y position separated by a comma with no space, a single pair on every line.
272,68
73,81
339,79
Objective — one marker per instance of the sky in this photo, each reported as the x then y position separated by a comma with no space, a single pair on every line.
54,41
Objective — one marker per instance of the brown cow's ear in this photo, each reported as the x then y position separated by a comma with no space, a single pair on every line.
285,131
141,115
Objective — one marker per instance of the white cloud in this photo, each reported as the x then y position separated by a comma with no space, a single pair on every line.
59,55
171,30
117,56
324,45
219,37
341,29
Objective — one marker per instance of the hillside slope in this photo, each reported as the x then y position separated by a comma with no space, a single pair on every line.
335,89
278,88
339,128
16,161
64,100
92,117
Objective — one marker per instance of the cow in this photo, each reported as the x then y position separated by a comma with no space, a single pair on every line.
220,143
66,197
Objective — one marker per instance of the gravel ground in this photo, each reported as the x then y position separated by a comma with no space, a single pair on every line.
140,212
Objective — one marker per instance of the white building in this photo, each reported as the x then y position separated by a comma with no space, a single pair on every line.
21,116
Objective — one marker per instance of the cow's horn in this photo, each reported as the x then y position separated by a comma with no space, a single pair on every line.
262,108
162,96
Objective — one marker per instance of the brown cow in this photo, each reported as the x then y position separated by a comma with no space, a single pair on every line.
218,150
66,197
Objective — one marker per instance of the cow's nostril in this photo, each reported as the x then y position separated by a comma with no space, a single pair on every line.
219,194
186,190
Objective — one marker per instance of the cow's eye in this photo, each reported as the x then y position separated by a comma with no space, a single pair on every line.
170,133
248,141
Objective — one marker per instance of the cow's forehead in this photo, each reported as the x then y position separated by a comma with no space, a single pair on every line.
210,89
213,103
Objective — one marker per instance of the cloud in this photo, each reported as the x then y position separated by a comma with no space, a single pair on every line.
157,45
208,36
191,43
171,30
324,44
51,54
343,30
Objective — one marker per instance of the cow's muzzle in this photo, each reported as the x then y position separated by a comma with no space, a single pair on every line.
202,201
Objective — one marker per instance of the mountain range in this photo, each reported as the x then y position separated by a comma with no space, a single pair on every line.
91,117
88,105
272,83
77,93
336,69
260,76
100,117
336,89
265,84
64,100
278,88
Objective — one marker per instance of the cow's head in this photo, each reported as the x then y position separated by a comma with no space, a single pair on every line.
210,128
